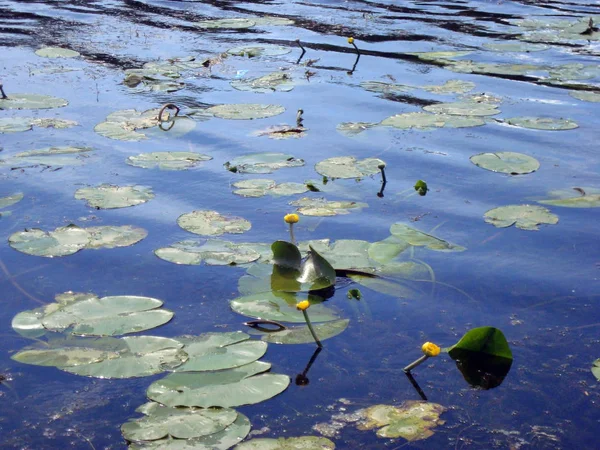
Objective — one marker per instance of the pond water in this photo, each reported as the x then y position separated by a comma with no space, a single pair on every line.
540,287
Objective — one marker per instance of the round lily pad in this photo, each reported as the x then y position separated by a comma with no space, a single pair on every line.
463,109
575,198
451,87
107,196
302,335
56,52
18,124
292,443
167,160
524,47
273,82
385,88
213,252
259,50
586,96
506,162
108,236
261,187
272,21
226,23
525,217
60,242
426,121
349,167
32,101
245,111
351,129
50,156
212,223
308,206
204,357
262,162
542,123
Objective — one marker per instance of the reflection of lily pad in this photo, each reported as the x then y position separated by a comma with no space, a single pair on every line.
262,163
302,335
292,443
18,124
211,223
56,52
261,187
348,167
506,162
575,198
451,87
427,121
167,160
259,50
273,82
320,207
107,196
542,123
420,239
32,101
245,111
213,252
463,109
525,217
586,96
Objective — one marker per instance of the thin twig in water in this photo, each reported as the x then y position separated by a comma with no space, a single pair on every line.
10,278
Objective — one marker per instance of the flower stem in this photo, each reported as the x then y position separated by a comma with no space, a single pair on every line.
310,327
292,239
414,364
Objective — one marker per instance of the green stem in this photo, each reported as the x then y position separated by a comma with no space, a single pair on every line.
414,364
310,327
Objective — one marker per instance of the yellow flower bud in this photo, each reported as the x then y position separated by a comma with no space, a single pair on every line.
430,349
350,40
303,305
291,218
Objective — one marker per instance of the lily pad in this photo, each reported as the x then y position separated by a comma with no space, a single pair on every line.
245,111
385,88
205,355
56,52
427,121
525,217
586,96
432,56
244,385
486,340
542,123
262,162
292,443
50,156
596,369
524,47
349,167
272,21
467,66
19,124
463,109
575,198
302,335
212,223
114,236
351,129
168,160
262,187
108,196
451,87
506,162
320,207
226,23
421,239
273,82
259,50
32,101
181,423
10,200
413,420
213,252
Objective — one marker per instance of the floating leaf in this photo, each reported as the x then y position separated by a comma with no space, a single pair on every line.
586,96
272,21
420,239
132,125
56,52
261,187
259,50
525,217
212,223
427,121
413,420
273,82
506,162
167,160
385,88
205,355
244,385
226,23
432,56
451,87
467,66
18,124
50,156
575,198
282,132
32,101
542,123
348,167
213,252
320,207
487,340
107,196
351,129
596,369
245,111
10,200
292,443
515,47
262,162
463,109
302,335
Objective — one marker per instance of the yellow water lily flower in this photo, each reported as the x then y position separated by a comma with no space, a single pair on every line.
291,218
350,40
430,349
303,305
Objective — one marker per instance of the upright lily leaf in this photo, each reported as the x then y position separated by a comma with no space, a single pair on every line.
212,223
420,239
349,167
292,443
292,275
108,196
506,162
525,217
486,340
575,198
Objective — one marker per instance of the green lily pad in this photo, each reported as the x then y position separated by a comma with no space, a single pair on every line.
451,87
272,21
348,167
575,198
50,156
432,56
262,187
596,369
245,111
323,208
19,124
32,101
413,420
351,129
525,217
467,66
205,355
524,47
222,440
181,423
281,306
347,254
506,162
486,340
167,160
226,23
259,50
420,239
292,443
262,162
282,132
542,123
586,96
213,252
107,196
10,200
385,88
56,52
244,385
302,335
143,356
273,82
212,223
291,274
114,236
463,109
427,121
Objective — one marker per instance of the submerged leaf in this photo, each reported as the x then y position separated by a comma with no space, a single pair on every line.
525,217
420,239
10,200
212,223
506,162
302,335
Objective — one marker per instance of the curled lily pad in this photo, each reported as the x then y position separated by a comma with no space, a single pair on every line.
413,420
320,207
525,217
226,23
575,198
259,50
18,124
32,101
463,109
243,385
451,87
506,162
420,239
56,52
167,160
245,111
213,252
182,423
292,443
261,187
542,123
273,82
262,162
302,335
427,121
107,196
349,167
10,200
586,96
353,128
212,223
